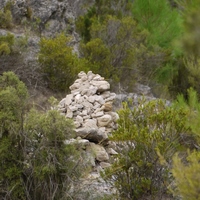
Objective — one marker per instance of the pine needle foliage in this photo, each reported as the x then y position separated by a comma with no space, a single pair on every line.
147,137
6,44
187,176
161,21
191,105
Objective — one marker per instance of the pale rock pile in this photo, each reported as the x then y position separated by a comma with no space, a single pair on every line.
90,106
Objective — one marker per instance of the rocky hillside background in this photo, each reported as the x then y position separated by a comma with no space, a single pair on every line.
31,20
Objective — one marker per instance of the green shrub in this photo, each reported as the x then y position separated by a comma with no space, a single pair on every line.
98,56
32,148
5,19
13,97
6,44
147,137
191,106
59,64
4,49
187,176
112,49
52,164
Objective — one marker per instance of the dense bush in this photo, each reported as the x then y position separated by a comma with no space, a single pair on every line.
6,44
186,166
113,49
100,10
6,16
187,175
147,138
140,45
59,64
35,162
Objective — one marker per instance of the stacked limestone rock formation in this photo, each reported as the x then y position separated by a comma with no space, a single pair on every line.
90,106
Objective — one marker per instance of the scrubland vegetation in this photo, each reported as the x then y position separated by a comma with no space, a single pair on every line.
152,42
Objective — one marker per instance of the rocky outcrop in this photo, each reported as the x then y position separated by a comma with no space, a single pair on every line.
90,106
51,17
33,19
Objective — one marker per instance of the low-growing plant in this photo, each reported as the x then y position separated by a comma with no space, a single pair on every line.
147,137
187,176
6,44
35,162
6,16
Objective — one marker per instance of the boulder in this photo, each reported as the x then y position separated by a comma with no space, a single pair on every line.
101,85
104,120
92,134
99,152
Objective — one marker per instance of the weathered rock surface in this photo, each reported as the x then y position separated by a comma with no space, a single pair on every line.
90,106
33,19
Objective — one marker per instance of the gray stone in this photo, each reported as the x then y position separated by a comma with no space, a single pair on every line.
97,77
104,120
100,152
62,103
96,105
111,151
114,116
72,108
99,99
69,114
101,85
83,113
91,123
92,134
105,165
90,75
81,74
91,99
98,114
75,86
107,106
79,119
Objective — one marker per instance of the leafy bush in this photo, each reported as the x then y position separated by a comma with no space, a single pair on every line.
59,64
35,162
147,137
100,10
191,106
187,176
52,163
6,44
188,64
112,48
98,56
186,167
6,16
13,96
